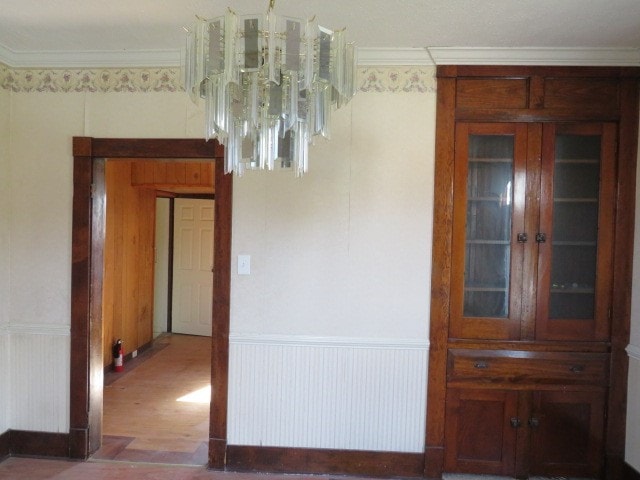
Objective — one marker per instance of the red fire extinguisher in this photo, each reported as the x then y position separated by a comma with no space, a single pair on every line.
118,356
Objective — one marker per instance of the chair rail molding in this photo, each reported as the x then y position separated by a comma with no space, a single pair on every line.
633,351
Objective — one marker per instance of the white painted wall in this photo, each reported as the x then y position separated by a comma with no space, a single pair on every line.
346,250
5,258
343,253
632,452
161,268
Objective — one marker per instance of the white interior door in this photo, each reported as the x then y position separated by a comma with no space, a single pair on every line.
192,266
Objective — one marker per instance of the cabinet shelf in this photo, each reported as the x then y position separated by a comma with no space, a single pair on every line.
579,161
486,289
488,242
583,291
486,199
575,200
570,243
490,160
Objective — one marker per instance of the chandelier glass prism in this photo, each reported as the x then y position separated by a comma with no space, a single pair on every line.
269,84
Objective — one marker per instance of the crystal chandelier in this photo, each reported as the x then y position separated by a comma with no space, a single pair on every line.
269,83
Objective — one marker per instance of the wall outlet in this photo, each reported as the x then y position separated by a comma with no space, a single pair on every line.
134,354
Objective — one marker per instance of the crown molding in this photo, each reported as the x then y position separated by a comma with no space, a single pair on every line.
366,57
91,59
618,57
391,57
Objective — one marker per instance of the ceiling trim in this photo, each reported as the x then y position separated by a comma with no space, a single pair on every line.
618,57
390,57
366,57
91,59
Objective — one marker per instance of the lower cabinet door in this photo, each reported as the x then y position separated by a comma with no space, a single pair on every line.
567,433
480,431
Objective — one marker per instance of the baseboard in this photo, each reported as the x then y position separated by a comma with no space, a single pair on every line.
128,357
5,445
79,443
217,453
324,461
434,462
38,444
630,473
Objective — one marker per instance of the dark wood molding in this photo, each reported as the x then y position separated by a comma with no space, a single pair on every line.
220,313
80,281
524,71
441,278
172,221
623,275
5,444
630,473
41,444
324,461
217,453
86,369
151,148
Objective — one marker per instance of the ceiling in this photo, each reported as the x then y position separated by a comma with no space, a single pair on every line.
90,31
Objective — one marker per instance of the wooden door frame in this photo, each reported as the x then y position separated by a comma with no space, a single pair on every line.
87,238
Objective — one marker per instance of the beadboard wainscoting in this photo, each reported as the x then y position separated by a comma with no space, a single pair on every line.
4,379
337,393
632,456
39,352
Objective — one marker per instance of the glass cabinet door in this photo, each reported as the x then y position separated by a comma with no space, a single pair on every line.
487,217
575,234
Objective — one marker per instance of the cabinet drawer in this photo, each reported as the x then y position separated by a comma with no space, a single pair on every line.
525,367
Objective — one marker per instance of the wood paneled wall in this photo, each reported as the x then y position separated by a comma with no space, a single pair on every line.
175,176
127,310
132,186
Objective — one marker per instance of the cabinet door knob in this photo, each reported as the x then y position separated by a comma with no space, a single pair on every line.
515,422
534,422
541,237
522,238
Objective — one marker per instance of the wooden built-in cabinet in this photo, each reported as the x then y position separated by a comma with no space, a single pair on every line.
533,231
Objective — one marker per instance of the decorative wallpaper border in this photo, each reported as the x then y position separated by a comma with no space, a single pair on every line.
141,80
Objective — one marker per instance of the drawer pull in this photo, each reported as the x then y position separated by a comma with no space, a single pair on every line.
577,368
481,365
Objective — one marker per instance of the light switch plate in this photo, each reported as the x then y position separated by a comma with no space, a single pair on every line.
244,264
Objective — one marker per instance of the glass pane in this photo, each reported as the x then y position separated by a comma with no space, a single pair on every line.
488,227
575,226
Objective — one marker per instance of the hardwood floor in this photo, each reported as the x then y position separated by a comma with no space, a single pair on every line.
157,410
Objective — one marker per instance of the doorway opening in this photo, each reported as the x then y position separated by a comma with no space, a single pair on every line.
88,239
150,412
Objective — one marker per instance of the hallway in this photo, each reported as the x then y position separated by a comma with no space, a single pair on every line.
157,410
